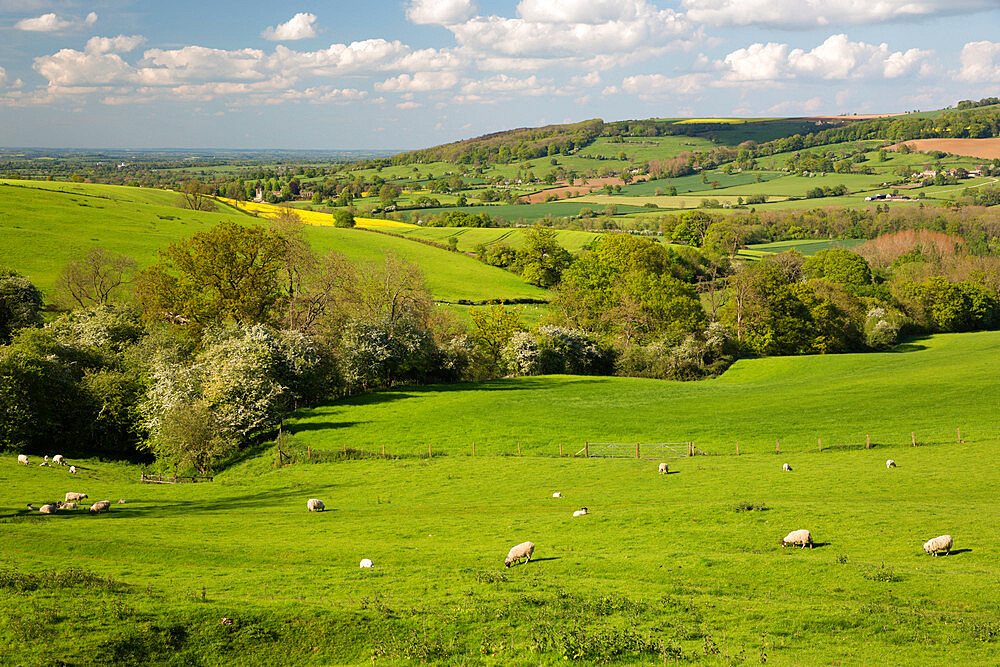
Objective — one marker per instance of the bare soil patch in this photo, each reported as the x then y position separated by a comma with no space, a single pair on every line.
581,187
987,149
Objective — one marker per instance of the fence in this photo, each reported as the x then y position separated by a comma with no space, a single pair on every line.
638,450
171,479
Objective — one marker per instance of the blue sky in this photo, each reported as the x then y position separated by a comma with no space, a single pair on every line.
413,73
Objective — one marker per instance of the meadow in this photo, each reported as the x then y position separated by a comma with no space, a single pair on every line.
807,247
45,225
684,567
470,237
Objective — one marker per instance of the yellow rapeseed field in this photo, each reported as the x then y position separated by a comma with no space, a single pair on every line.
310,217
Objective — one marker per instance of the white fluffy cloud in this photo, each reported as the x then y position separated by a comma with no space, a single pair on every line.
980,62
647,86
835,58
52,23
300,26
820,13
440,12
507,85
119,44
418,82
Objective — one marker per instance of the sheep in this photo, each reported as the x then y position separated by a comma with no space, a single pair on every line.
557,495
72,496
121,501
45,458
580,512
32,507
522,550
890,464
72,470
664,469
786,468
67,506
100,506
314,504
50,508
367,563
23,460
798,537
43,464
59,460
940,543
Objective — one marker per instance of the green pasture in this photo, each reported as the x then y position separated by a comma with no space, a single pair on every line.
807,247
528,213
693,183
640,149
797,186
662,569
470,237
689,200
42,228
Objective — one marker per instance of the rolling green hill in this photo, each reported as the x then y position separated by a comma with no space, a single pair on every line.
44,225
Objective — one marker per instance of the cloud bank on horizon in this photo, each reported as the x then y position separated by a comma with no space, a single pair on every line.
454,65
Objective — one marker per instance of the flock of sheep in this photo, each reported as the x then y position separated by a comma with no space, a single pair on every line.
72,497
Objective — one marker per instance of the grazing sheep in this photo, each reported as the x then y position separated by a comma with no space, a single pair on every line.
786,468
522,550
58,460
23,460
67,506
314,504
367,562
32,507
72,470
45,458
100,506
664,469
940,543
43,464
121,501
890,464
50,508
801,537
557,495
73,497
580,512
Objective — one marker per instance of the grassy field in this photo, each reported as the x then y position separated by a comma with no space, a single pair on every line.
663,569
528,213
806,247
640,149
44,227
840,398
470,237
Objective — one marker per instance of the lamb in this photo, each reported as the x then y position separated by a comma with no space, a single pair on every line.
522,550
557,495
121,501
72,470
786,468
32,507
43,464
73,497
663,469
580,512
367,562
314,504
58,460
23,460
890,464
67,506
798,537
100,506
50,508
45,458
940,543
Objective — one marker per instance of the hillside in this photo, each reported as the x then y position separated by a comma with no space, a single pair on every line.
44,225
923,387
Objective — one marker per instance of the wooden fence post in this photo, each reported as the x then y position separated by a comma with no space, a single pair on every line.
637,450
309,452
868,442
473,449
586,449
777,446
690,449
737,448
959,432
383,450
913,439
518,447
819,442
560,449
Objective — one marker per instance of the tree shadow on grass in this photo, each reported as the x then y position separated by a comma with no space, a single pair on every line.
911,344
298,427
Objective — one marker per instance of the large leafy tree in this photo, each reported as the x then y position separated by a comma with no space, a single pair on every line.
230,272
20,304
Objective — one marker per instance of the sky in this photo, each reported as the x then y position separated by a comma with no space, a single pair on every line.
403,74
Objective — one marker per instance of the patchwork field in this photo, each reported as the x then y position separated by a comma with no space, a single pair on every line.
987,149
684,567
806,247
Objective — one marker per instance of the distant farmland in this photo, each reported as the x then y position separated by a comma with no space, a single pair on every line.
987,149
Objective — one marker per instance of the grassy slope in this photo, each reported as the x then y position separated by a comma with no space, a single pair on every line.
44,225
841,398
469,237
662,557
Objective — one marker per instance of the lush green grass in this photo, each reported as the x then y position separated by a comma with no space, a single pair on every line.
806,247
663,568
947,382
530,212
45,225
470,237
640,149
694,183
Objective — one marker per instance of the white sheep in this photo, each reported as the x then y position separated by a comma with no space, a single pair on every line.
802,537
367,563
664,469
100,506
45,458
59,460
940,543
50,508
314,504
121,501
786,468
73,497
522,550
23,460
890,464
67,506
72,470
32,507
580,512
557,495
43,464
